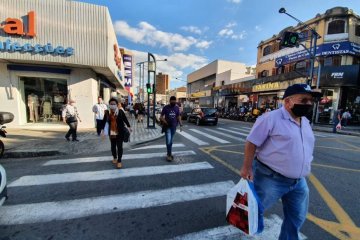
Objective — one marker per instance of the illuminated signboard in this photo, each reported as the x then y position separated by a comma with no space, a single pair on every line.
128,69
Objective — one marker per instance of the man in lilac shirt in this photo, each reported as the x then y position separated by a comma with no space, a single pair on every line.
282,143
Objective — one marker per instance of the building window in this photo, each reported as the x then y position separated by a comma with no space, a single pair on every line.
300,66
264,73
222,83
357,30
336,26
336,61
267,50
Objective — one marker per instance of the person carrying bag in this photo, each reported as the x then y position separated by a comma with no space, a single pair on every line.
115,121
70,116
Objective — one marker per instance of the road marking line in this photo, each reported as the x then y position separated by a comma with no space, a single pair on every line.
192,138
349,144
343,149
346,229
33,180
71,209
229,166
219,140
335,167
227,151
230,131
226,135
240,129
178,145
106,158
272,228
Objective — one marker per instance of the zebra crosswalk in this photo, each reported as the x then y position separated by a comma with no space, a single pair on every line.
222,135
194,184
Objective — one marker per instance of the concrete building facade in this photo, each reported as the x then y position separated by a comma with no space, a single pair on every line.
162,83
51,51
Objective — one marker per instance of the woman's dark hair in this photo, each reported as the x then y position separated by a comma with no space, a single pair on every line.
113,100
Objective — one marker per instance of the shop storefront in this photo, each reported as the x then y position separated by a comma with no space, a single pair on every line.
50,53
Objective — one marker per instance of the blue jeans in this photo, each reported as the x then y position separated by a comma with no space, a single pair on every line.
271,186
169,135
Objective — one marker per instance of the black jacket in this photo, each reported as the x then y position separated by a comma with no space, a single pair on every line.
121,120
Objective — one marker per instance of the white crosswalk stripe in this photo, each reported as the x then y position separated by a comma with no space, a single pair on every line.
192,138
209,136
125,157
177,145
271,232
225,135
240,129
106,174
235,132
70,209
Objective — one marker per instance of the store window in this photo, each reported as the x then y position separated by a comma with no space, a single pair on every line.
267,50
44,98
300,66
336,26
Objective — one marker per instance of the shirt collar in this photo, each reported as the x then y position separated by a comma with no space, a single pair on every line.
286,115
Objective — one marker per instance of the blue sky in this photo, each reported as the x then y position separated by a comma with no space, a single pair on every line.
192,33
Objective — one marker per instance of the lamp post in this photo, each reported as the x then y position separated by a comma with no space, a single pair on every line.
312,53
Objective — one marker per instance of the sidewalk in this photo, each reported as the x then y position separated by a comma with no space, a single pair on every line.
45,140
349,130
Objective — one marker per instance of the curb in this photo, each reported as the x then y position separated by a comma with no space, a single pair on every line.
340,132
29,154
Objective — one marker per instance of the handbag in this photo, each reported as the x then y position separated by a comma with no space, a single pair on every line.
126,134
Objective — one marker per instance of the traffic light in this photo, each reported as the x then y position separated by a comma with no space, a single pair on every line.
289,39
148,88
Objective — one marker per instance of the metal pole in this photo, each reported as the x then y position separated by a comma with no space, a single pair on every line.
148,98
143,83
313,55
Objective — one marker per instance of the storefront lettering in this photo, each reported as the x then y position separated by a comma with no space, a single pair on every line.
337,75
266,87
9,46
15,26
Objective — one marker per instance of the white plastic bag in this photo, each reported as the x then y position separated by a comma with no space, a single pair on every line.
338,126
243,208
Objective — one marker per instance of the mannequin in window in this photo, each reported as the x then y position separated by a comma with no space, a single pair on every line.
46,106
33,104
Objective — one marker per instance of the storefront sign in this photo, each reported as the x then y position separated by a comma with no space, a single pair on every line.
198,94
128,69
15,26
339,48
267,87
10,46
346,75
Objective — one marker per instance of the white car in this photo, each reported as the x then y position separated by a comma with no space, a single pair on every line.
3,189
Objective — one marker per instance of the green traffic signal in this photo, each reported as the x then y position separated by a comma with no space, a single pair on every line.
289,39
148,88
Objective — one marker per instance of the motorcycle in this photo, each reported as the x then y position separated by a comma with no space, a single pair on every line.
5,117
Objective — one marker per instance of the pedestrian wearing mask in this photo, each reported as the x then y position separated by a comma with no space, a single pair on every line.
170,117
70,116
99,110
282,144
115,121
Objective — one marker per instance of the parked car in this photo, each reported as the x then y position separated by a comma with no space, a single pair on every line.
185,112
3,188
203,115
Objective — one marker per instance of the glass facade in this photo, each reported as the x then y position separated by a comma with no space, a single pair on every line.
44,98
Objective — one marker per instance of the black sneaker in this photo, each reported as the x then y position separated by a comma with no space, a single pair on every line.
68,139
75,140
168,158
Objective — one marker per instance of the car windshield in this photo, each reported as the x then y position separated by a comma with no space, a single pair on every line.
208,111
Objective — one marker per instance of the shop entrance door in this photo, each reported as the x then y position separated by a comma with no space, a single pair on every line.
44,99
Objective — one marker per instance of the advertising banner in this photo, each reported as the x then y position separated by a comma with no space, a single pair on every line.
128,70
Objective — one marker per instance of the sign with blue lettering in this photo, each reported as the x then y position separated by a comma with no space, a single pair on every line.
9,46
337,48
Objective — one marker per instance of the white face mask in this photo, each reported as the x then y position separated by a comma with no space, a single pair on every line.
113,107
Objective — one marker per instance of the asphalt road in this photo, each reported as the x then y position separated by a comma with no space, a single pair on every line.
84,198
